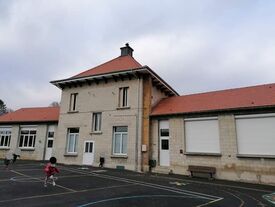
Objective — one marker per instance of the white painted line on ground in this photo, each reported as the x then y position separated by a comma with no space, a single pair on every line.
152,185
134,197
69,189
210,202
39,179
214,184
64,193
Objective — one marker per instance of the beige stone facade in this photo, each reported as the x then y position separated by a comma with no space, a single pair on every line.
229,166
104,98
28,153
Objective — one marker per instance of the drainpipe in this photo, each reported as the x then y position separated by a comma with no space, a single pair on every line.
137,125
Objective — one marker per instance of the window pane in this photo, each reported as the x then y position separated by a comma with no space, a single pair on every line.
33,132
125,96
2,140
124,143
7,141
121,129
117,143
165,144
99,122
24,131
73,100
75,142
50,143
91,147
21,141
51,134
73,130
164,132
30,141
96,121
26,141
33,143
87,147
71,143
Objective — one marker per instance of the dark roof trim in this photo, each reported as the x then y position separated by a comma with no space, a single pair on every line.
229,110
144,69
28,122
157,77
90,77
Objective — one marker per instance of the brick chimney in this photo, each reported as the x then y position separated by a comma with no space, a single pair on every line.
127,50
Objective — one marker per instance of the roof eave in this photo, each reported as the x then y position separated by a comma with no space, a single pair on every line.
28,121
158,78
91,77
215,111
143,69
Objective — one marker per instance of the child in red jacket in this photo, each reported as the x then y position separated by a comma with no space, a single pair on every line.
50,169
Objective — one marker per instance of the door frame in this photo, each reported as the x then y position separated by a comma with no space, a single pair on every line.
93,151
164,124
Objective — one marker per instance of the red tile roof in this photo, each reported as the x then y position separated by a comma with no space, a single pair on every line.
40,114
118,64
239,98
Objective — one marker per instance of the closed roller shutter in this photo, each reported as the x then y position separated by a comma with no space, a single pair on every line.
202,135
256,134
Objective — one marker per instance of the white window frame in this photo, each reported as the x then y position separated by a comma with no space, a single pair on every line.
30,145
75,137
97,122
5,137
120,141
73,101
50,136
123,97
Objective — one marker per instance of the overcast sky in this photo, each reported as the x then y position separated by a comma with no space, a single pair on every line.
195,46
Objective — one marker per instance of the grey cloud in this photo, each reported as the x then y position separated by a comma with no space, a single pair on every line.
194,45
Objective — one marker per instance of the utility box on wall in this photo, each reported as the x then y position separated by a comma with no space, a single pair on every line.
144,148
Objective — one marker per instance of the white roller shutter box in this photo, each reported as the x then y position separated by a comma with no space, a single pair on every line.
256,135
202,135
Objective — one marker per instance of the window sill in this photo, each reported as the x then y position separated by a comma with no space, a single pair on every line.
4,148
72,112
119,156
70,155
122,108
203,154
255,156
27,149
98,132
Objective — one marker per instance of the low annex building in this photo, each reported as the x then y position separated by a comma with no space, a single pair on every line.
232,130
30,129
125,113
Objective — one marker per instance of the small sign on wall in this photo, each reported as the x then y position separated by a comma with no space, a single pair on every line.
144,148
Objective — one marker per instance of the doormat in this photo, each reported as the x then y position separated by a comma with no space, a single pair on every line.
270,198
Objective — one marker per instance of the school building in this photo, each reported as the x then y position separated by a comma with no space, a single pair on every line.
125,113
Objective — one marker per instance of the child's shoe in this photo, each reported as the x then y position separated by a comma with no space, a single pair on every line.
45,185
54,183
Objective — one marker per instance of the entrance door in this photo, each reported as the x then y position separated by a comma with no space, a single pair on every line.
88,155
164,156
49,144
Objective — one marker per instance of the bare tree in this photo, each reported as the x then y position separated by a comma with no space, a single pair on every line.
3,108
54,104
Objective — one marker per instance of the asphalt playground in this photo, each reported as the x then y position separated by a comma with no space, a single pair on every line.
22,185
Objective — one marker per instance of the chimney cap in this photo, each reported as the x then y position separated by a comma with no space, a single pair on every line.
126,50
